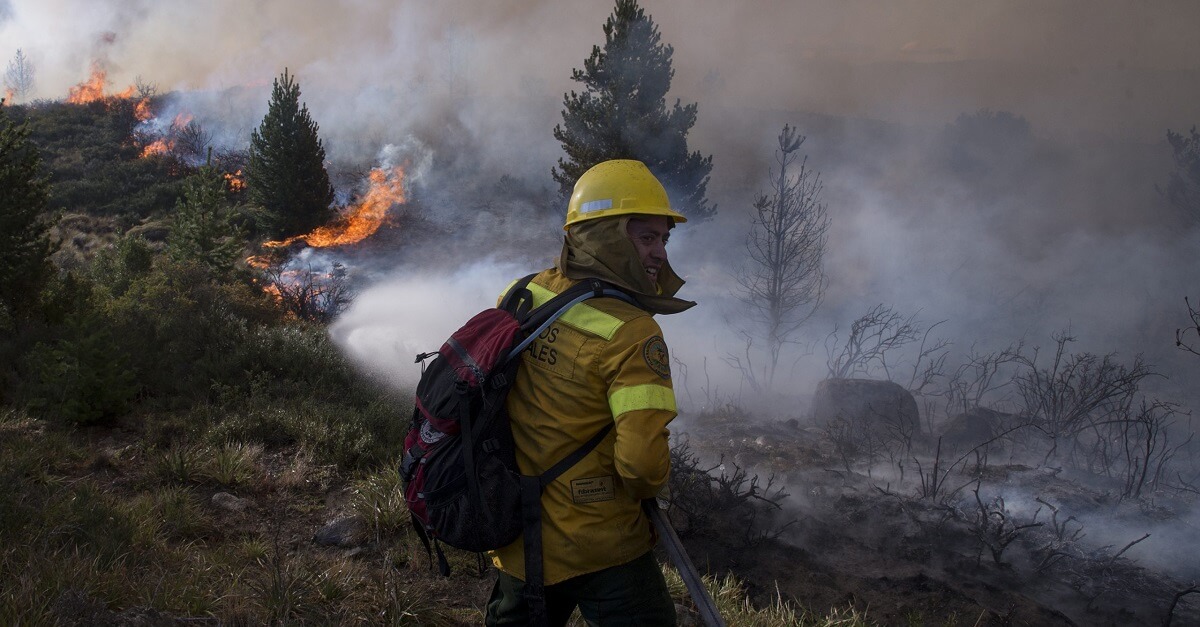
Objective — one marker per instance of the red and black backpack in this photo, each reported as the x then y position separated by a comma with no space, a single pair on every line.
459,468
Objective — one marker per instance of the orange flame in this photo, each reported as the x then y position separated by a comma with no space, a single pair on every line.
363,219
235,181
142,111
92,90
8,96
164,145
160,146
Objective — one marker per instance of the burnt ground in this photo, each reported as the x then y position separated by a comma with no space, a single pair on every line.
867,541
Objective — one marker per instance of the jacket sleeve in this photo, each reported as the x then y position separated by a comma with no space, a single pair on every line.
637,370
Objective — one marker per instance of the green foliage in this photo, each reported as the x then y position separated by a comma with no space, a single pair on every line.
349,434
622,113
91,521
117,267
286,175
94,167
180,463
82,377
183,329
24,246
204,227
379,499
232,463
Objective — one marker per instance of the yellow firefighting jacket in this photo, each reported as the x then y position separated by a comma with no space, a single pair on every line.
603,361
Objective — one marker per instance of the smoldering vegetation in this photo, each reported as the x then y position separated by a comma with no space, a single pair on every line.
1023,290
1014,272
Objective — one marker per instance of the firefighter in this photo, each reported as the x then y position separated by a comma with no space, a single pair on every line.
603,362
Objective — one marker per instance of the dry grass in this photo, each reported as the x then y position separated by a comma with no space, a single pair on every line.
134,537
735,607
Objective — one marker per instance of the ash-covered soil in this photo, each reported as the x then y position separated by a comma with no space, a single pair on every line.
1036,547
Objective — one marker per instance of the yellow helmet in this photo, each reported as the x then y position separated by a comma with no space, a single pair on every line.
618,187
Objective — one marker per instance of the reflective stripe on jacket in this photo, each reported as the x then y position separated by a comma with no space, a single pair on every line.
604,360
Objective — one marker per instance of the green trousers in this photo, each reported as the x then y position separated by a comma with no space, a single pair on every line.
629,594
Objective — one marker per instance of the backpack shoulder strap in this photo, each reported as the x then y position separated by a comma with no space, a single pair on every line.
518,300
541,317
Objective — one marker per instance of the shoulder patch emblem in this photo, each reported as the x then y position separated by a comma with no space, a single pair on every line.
655,352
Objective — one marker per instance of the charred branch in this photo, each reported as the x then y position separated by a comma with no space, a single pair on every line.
995,528
1066,398
1193,589
1193,328
873,337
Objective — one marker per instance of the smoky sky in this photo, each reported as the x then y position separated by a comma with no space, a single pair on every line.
1070,64
1059,228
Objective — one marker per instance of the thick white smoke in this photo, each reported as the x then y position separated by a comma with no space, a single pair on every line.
1072,234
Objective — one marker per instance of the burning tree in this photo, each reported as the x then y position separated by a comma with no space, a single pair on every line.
286,175
622,113
18,78
784,281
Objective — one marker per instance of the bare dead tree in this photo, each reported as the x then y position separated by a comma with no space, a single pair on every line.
145,89
995,527
1062,540
873,337
1193,329
784,280
1192,589
19,76
930,363
933,481
713,501
1147,446
1066,398
191,141
975,379
311,295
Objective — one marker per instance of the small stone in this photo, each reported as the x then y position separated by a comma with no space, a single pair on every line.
345,532
229,502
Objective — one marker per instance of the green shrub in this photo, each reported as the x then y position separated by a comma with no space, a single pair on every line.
178,511
337,433
180,463
83,378
232,463
379,499
86,519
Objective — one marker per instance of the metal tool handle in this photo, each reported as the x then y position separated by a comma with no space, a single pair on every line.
687,570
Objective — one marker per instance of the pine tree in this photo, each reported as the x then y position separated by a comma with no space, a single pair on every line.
18,77
286,175
622,113
783,280
204,229
24,244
